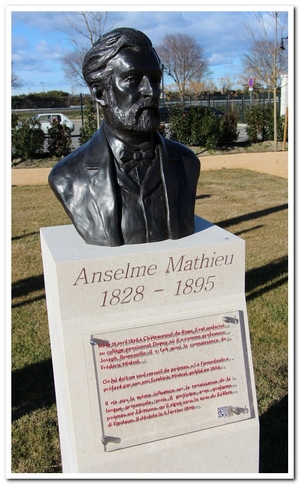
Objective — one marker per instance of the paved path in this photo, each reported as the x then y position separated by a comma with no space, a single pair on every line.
273,163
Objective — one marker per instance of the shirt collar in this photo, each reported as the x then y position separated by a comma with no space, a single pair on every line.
117,145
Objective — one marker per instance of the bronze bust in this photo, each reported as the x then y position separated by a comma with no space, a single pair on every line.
128,184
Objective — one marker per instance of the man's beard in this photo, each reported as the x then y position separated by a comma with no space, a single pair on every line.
142,117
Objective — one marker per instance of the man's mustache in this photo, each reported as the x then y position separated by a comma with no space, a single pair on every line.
138,108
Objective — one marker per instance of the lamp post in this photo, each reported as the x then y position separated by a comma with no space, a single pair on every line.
282,48
43,85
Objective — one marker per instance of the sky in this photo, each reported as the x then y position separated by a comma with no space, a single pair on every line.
38,45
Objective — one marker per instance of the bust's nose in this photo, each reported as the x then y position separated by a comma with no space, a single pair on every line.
147,88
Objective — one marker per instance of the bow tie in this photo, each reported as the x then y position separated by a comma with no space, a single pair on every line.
131,159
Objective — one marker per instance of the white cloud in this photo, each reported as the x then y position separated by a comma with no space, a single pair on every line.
38,45
49,51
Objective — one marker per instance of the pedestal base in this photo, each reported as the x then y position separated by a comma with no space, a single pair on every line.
151,354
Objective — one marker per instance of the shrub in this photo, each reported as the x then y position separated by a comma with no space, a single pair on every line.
260,123
27,140
90,124
205,128
256,123
60,140
14,120
228,130
180,126
199,126
269,120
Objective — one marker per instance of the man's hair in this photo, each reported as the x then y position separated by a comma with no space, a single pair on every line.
96,67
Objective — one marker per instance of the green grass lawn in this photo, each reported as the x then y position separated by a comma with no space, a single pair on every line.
250,205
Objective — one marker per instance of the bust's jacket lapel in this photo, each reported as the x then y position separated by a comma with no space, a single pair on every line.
168,157
180,171
102,186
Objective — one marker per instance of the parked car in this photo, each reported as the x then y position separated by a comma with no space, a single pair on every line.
217,112
46,120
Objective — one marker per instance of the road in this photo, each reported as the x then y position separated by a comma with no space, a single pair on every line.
77,123
242,133
75,134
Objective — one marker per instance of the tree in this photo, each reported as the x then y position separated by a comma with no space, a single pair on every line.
15,80
197,88
183,58
226,84
265,61
83,30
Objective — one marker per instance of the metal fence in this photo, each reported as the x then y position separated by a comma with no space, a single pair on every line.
230,103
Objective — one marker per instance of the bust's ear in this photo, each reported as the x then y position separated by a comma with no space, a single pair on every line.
99,95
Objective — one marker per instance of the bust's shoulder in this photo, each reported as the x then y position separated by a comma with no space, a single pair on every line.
180,148
178,151
77,165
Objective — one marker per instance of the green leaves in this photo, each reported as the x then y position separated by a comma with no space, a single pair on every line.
90,122
27,139
60,140
260,123
199,126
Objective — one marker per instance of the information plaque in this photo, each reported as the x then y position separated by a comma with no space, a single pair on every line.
172,378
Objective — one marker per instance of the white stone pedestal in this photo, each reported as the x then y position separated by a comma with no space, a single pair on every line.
151,355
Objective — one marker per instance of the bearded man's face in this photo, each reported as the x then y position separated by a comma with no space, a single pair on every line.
133,94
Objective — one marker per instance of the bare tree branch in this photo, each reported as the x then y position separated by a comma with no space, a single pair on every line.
83,29
15,80
264,50
183,57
